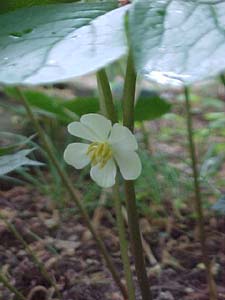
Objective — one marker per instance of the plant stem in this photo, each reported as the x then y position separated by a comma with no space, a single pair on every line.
11,288
128,121
145,134
129,94
222,78
101,96
198,200
74,195
123,242
106,98
37,262
108,109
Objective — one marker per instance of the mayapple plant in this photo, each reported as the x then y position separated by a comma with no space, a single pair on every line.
168,41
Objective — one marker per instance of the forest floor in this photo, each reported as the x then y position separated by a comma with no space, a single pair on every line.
63,244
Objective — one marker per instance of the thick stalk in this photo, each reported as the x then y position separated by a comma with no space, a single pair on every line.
106,98
108,109
37,262
101,95
74,196
198,200
222,78
123,242
11,288
128,120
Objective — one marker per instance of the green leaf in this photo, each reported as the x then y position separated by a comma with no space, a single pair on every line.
12,141
213,103
47,105
7,149
9,163
213,116
9,5
58,108
219,206
44,44
178,41
150,106
82,106
211,166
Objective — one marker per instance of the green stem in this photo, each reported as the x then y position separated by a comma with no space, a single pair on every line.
129,94
74,195
108,109
37,262
106,98
123,242
128,121
222,78
101,96
11,288
146,134
198,200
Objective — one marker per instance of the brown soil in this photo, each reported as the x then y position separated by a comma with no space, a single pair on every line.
61,241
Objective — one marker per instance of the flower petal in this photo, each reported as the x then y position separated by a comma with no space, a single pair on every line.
80,130
104,177
129,164
98,124
75,155
122,137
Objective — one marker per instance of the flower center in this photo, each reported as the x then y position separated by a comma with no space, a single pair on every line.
99,153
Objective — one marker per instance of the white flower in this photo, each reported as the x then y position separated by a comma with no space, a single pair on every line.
110,146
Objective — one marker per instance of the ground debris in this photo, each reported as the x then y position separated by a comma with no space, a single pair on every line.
66,248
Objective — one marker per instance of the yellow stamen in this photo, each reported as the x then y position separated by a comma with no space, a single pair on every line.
92,147
99,153
99,150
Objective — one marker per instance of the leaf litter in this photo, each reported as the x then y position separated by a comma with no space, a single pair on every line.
63,244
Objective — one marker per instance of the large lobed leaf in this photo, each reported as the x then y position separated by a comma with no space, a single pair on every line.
57,42
9,5
175,41
178,41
